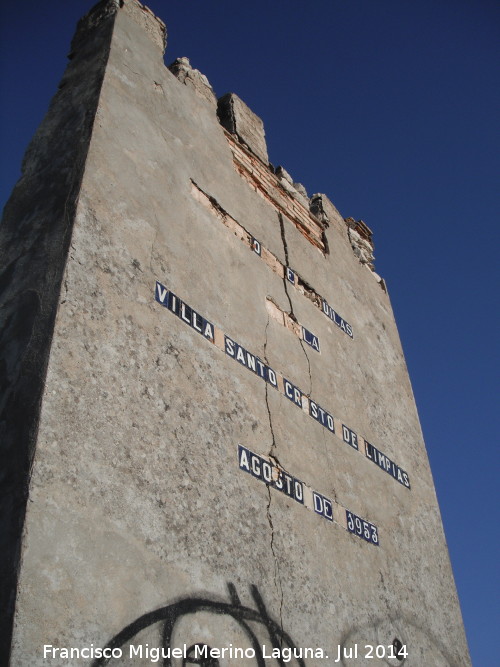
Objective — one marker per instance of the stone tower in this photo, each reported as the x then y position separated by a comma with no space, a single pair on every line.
210,445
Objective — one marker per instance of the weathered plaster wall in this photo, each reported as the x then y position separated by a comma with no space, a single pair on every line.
34,239
137,501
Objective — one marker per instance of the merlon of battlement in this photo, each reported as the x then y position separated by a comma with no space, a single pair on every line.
361,238
153,26
181,68
239,119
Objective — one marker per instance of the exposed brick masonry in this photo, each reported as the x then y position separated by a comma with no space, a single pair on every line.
263,181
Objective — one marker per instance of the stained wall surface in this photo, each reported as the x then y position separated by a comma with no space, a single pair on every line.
191,475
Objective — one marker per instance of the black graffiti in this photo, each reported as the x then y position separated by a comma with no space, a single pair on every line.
244,616
192,657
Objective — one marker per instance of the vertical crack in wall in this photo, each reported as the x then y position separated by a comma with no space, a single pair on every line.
272,450
272,455
287,262
277,574
308,367
285,285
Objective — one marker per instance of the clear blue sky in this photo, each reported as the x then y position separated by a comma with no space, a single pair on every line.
391,108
